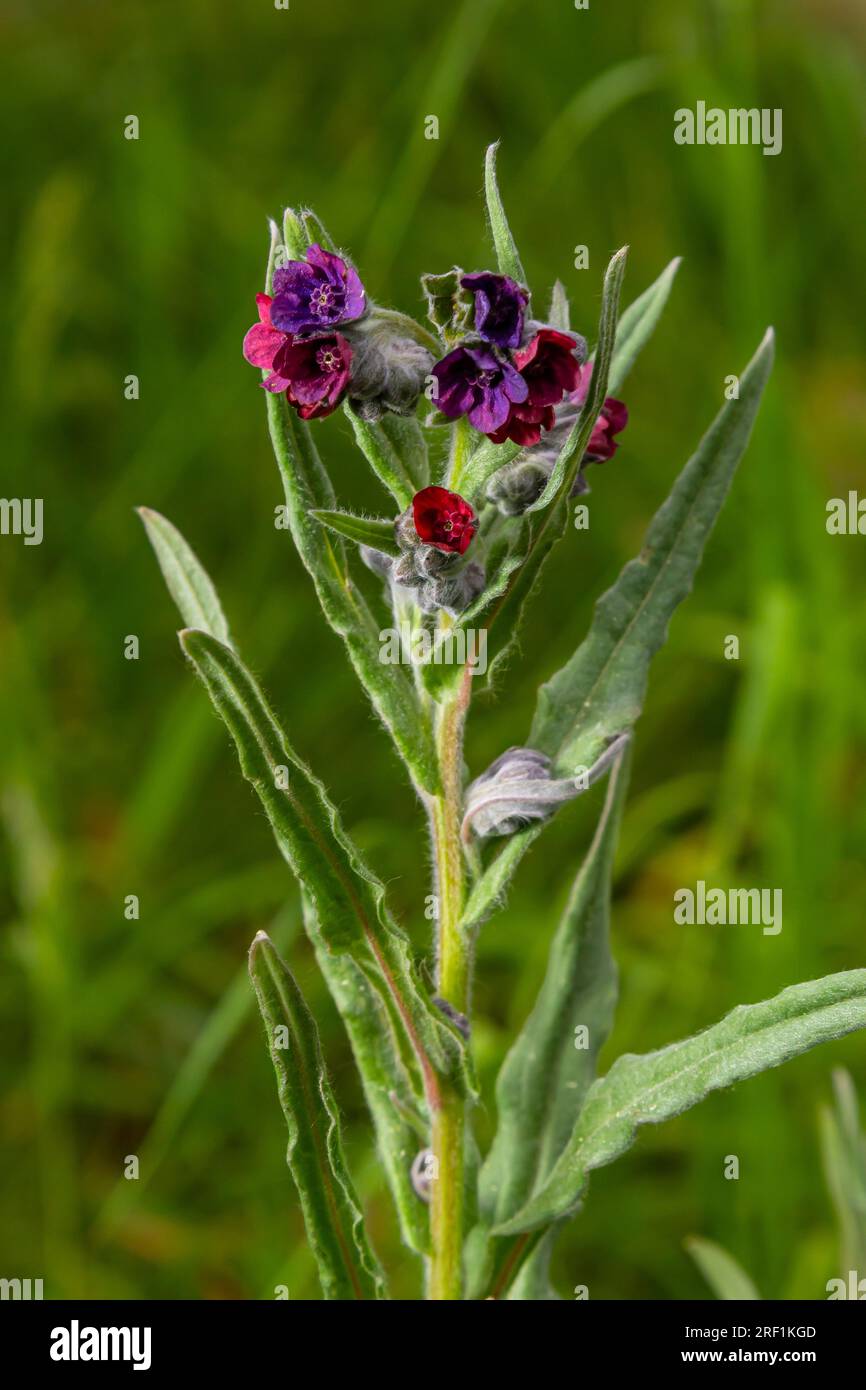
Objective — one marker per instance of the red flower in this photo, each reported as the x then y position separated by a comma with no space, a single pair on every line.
443,519
550,369
524,425
548,366
263,342
612,419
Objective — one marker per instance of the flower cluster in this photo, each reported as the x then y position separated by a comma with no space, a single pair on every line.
509,375
299,343
433,535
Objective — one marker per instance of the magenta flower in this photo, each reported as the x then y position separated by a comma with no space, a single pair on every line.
316,371
499,306
474,381
263,342
315,295
612,419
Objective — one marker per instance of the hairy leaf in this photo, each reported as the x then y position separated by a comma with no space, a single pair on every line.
507,257
348,1268
545,1075
377,532
600,691
647,1089
636,325
568,461
347,896
385,1079
187,581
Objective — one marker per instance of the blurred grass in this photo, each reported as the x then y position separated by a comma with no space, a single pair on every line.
124,1037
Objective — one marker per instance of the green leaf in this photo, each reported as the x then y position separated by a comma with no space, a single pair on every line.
333,1217
406,438
559,315
532,1283
388,1091
188,583
647,1089
348,898
384,459
485,460
637,324
568,461
390,688
726,1278
600,691
507,257
545,1076
377,532
843,1151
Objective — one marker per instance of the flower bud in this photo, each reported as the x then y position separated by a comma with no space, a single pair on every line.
389,369
516,486
518,790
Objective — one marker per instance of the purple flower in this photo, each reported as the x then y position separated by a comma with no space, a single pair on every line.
314,295
499,306
473,381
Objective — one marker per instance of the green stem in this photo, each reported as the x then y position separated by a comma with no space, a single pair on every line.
453,981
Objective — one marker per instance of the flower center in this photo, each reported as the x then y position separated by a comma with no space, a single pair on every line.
322,299
485,379
327,359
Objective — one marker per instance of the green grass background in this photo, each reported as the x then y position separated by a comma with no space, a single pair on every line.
138,1037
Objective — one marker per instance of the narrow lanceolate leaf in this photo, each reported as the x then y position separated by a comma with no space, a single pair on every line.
188,582
726,1278
843,1150
347,897
636,325
507,257
486,459
377,532
307,488
641,1090
407,439
384,459
386,1082
600,691
560,482
552,1063
332,1213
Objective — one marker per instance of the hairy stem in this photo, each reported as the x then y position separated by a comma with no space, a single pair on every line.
454,965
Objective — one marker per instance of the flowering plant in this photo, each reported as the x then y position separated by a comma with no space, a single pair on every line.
459,550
